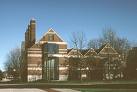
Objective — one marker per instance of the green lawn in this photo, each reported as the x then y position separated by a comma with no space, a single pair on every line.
107,90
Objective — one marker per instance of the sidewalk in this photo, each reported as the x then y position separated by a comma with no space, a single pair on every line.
21,90
64,90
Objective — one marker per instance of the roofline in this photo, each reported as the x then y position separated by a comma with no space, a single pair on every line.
41,42
75,49
110,47
54,32
90,50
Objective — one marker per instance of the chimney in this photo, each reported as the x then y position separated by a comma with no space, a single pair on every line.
32,31
30,34
26,39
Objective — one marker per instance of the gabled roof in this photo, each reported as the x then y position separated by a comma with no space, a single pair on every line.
68,50
51,31
90,52
98,50
74,52
106,48
84,51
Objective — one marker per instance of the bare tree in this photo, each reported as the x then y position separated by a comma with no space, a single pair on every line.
78,40
109,36
1,74
13,63
122,45
93,44
131,69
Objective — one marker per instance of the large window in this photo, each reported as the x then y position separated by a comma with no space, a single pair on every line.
51,69
51,48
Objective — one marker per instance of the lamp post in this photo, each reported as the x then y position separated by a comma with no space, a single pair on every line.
14,74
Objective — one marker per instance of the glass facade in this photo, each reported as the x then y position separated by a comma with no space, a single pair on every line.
50,69
51,48
52,72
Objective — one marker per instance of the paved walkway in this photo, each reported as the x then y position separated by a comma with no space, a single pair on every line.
21,90
64,90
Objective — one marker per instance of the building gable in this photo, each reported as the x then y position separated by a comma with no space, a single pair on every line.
107,49
51,36
91,52
74,53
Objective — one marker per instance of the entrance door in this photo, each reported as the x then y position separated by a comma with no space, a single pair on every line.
52,69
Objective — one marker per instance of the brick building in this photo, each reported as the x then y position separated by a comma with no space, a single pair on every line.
48,58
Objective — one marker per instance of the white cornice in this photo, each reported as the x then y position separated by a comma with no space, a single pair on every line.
41,42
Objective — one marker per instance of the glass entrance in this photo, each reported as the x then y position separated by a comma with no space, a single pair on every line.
51,69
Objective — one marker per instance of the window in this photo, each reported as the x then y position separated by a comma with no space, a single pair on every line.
51,69
50,37
51,48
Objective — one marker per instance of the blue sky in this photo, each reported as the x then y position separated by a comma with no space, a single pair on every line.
65,17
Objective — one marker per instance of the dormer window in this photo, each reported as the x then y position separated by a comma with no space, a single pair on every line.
50,37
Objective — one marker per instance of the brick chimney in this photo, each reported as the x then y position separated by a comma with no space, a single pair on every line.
30,34
32,31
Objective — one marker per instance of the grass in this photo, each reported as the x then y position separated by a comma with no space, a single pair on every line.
88,82
77,81
107,90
